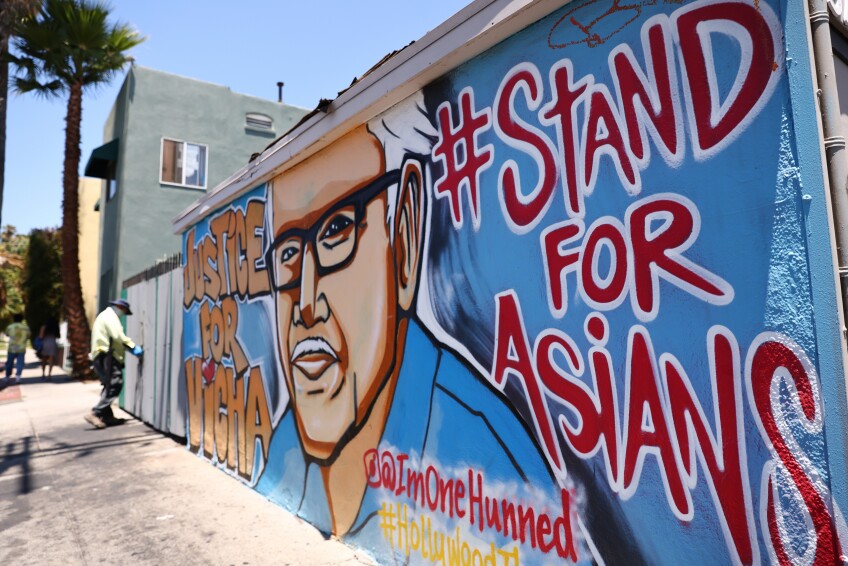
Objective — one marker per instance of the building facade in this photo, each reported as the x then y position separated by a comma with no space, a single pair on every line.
167,140
89,242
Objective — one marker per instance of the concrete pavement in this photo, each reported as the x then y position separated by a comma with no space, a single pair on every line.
74,495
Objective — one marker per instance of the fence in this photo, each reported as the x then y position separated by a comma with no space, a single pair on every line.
154,387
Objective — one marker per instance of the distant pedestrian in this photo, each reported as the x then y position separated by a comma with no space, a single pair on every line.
18,334
108,344
49,334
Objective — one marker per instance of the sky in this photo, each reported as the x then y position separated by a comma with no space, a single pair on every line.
316,48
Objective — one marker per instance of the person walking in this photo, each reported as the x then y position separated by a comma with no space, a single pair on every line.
18,334
49,333
108,345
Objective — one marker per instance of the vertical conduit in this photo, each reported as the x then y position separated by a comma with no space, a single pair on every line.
837,169
834,143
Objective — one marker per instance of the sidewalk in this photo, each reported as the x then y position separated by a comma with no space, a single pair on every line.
71,494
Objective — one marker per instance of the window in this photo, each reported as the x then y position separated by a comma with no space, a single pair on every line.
183,163
111,183
258,121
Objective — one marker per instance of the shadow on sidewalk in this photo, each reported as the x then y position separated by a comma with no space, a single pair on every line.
22,458
20,454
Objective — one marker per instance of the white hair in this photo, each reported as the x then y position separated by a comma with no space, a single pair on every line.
402,130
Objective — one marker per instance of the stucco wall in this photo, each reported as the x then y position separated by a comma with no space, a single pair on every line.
110,208
153,105
89,243
573,301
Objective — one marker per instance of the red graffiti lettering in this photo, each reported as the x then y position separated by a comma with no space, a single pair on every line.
773,357
463,160
609,289
522,210
561,112
558,261
721,454
645,107
646,423
714,122
663,417
661,228
647,248
648,101
602,135
512,356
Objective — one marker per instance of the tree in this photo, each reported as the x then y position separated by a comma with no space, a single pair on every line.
11,12
13,247
69,47
42,278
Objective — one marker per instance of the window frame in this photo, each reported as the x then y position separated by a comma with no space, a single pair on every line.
205,147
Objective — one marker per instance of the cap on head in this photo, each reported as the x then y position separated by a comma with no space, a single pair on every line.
122,304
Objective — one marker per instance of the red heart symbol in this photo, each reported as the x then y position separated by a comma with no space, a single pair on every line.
208,371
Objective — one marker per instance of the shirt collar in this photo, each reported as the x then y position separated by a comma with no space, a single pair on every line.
405,430
409,416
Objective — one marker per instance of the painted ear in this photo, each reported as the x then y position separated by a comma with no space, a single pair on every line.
408,232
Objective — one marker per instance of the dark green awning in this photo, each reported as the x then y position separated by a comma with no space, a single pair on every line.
98,163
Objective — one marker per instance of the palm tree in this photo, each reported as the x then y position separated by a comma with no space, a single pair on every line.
11,12
69,47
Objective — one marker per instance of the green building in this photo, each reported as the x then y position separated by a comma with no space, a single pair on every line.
168,140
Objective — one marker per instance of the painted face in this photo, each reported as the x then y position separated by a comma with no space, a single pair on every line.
335,290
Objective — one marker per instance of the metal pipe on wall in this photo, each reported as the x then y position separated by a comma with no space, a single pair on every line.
837,172
834,142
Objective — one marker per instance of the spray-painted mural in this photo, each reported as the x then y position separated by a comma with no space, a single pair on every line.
557,306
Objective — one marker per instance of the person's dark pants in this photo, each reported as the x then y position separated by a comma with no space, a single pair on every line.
12,359
111,375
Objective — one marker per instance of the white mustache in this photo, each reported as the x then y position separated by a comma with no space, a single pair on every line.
312,346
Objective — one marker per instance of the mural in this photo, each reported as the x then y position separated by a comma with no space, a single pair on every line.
557,306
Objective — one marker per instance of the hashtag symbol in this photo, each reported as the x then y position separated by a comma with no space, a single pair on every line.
387,522
461,158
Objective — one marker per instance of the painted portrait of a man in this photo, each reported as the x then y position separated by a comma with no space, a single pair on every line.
348,242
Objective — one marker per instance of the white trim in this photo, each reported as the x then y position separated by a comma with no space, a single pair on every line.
179,186
183,185
471,31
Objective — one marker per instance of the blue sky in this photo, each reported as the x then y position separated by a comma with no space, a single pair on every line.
316,48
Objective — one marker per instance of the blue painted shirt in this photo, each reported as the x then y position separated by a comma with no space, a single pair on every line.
441,412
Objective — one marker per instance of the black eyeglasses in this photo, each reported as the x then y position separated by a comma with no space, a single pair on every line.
334,237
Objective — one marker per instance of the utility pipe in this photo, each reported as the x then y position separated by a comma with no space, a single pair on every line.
837,172
834,146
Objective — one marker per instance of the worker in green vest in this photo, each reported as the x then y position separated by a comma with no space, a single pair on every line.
108,346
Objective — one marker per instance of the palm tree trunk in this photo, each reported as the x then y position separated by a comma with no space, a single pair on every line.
4,95
79,333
